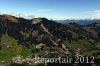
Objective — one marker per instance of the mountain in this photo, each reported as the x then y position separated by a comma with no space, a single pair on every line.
79,21
24,37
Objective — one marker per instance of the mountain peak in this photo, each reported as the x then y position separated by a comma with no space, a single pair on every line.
10,18
38,20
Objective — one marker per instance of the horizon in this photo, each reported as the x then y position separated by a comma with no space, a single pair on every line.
56,10
32,17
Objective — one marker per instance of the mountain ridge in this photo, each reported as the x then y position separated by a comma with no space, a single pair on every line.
39,34
53,28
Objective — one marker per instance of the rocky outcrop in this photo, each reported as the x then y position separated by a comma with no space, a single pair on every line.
36,20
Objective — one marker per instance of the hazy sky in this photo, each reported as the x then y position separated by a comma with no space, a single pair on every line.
55,9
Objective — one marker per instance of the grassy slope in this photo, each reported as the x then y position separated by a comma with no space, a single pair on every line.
6,54
78,44
84,44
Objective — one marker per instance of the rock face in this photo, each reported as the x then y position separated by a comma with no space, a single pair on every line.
40,46
17,59
36,20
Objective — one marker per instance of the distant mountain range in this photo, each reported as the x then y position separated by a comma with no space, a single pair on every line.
79,21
